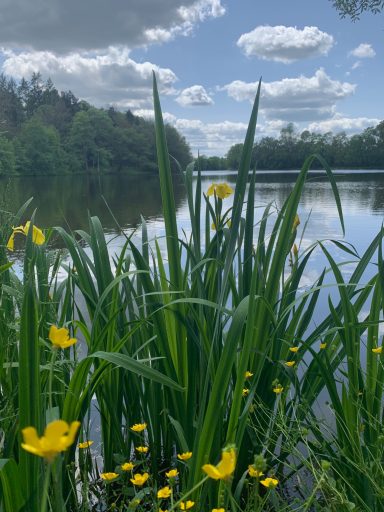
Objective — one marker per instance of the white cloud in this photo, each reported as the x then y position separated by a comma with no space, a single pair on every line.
68,26
363,51
294,99
285,44
345,124
194,96
356,65
207,138
109,78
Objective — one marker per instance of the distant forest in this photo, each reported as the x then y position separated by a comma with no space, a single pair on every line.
361,151
44,131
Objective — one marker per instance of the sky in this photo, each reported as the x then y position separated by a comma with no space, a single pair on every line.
318,71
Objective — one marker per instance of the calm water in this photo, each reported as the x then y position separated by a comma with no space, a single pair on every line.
67,201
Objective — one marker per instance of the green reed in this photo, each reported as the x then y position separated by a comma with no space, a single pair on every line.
168,338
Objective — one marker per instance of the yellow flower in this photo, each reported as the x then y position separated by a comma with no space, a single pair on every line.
294,349
139,479
164,493
60,337
290,364
37,235
253,472
245,392
218,510
248,375
172,473
278,389
127,466
108,476
377,350
161,510
269,483
142,449
296,222
139,427
186,505
222,190
184,456
58,436
323,346
224,468
85,444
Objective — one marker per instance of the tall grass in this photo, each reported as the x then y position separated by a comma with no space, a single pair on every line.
167,340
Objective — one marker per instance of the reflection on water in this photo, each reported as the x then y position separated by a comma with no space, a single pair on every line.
67,200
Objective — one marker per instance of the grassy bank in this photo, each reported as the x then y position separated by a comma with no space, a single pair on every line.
202,366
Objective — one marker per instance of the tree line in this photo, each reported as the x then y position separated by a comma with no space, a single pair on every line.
290,149
44,131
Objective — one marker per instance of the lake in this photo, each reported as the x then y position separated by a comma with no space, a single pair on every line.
67,200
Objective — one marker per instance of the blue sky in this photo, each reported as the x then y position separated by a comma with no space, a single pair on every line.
319,72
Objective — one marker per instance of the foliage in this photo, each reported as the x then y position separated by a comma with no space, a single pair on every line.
360,151
200,354
47,132
354,8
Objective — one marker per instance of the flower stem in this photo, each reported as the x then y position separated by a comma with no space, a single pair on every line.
46,488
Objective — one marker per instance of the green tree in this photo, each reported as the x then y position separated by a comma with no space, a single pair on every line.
7,156
38,149
354,8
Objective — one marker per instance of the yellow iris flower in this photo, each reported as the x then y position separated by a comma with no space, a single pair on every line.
224,468
60,337
38,237
222,190
58,436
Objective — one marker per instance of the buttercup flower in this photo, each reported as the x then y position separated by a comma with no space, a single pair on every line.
127,466
290,364
294,349
245,392
142,449
377,350
60,337
224,468
161,510
269,483
186,505
218,510
37,235
139,427
108,476
139,479
278,389
247,375
85,444
164,493
222,190
184,456
172,473
58,436
253,472
323,346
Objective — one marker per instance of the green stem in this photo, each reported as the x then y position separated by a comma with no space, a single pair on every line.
46,488
199,484
50,381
